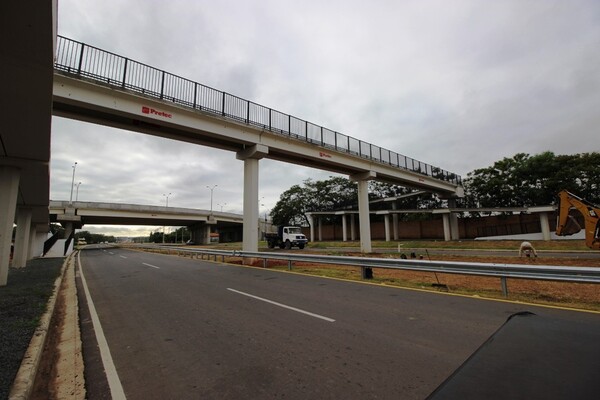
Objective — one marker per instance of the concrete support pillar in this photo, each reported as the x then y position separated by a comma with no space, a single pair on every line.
387,227
38,235
545,225
395,222
446,220
352,227
9,189
453,221
250,205
251,156
454,226
207,234
68,230
364,220
22,237
363,209
311,222
344,229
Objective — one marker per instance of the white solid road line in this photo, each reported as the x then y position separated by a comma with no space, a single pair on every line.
150,265
283,305
114,383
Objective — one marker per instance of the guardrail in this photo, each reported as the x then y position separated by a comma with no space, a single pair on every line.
82,60
502,271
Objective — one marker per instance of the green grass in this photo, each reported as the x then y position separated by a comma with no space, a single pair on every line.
22,303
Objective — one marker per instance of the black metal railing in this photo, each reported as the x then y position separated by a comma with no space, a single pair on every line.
82,60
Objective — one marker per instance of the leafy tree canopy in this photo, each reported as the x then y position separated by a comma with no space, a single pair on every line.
333,194
525,180
336,193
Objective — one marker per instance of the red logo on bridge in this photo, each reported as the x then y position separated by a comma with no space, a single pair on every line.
321,154
150,110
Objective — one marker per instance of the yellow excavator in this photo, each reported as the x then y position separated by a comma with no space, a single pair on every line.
567,225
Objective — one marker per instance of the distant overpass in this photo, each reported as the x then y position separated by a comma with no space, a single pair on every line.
200,222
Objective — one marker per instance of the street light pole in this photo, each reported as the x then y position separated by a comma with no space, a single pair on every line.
167,196
77,192
72,183
211,196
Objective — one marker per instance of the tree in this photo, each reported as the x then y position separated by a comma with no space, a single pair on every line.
383,190
525,180
156,237
84,235
94,237
336,193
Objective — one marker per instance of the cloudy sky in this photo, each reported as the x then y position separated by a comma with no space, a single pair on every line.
456,84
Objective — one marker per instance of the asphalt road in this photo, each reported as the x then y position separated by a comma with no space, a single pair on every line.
180,328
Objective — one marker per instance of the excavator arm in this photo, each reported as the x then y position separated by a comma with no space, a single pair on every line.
566,225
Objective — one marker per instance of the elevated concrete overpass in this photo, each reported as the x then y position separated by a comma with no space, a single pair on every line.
100,87
201,222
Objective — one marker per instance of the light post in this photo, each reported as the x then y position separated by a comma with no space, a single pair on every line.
72,183
211,195
224,204
167,196
77,192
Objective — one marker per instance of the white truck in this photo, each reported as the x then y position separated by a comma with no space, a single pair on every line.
286,238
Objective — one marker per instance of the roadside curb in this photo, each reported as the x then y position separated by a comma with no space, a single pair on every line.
23,384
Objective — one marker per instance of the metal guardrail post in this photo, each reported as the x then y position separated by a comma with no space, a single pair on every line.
367,273
289,265
504,285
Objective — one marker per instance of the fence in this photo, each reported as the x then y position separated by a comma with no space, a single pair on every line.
84,61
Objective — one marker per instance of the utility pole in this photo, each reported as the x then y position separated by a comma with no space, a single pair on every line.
211,196
72,183
167,196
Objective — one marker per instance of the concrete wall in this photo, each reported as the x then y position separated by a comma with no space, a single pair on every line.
469,228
